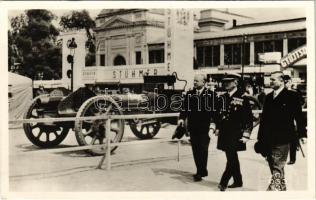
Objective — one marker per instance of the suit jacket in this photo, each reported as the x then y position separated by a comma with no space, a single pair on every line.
277,122
199,111
235,119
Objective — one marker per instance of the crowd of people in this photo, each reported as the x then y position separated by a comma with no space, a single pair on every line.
231,119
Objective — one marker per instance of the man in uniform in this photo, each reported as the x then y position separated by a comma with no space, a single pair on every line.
277,129
233,129
198,109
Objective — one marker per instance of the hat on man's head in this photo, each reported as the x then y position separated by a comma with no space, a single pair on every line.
231,76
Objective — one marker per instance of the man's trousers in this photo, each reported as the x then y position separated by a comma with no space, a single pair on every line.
200,145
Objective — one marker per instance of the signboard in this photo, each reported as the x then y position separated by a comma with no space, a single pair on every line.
179,31
121,74
293,56
270,57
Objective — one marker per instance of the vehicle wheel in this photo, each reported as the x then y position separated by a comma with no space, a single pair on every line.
45,135
90,132
145,128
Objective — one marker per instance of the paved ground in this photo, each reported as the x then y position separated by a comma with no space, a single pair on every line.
143,167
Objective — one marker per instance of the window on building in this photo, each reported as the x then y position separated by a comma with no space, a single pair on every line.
267,46
138,57
119,60
208,56
233,54
156,56
102,59
294,43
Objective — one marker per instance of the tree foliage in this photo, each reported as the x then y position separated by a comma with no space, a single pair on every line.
77,20
32,42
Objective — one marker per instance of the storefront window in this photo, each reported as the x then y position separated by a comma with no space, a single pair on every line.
267,46
233,54
294,43
208,56
138,57
102,60
156,56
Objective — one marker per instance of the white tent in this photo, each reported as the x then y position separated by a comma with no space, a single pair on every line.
20,97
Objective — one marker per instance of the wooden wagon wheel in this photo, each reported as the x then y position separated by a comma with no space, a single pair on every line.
145,128
90,132
43,135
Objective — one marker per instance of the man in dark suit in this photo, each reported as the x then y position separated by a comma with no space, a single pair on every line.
198,109
277,129
234,127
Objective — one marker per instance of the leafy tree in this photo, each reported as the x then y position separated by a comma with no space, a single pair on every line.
77,20
33,36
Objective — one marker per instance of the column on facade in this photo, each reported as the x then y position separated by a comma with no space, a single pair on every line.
108,59
131,49
252,53
285,46
222,54
145,54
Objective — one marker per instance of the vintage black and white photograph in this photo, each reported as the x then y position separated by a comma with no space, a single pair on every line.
161,99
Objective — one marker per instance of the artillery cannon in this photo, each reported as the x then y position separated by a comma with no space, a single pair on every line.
88,101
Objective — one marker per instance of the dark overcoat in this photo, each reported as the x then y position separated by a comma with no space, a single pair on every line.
199,110
235,119
279,115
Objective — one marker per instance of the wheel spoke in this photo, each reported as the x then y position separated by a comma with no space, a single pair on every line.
56,134
93,140
108,109
101,140
35,126
88,133
147,128
115,129
47,137
141,129
40,134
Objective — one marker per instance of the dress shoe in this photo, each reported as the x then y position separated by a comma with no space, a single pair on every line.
197,178
291,162
221,188
235,185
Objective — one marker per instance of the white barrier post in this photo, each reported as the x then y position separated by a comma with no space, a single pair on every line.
178,153
107,153
108,144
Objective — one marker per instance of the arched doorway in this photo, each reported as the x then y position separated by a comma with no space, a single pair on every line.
119,60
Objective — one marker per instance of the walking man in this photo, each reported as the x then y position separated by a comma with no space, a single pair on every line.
233,129
277,129
198,109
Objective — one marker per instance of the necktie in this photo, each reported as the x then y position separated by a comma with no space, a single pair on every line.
274,95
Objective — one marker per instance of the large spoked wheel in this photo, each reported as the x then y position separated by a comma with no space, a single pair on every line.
144,128
255,105
93,132
45,135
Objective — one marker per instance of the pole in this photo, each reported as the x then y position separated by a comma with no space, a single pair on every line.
107,153
108,147
242,60
72,74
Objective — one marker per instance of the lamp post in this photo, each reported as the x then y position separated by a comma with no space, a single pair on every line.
244,39
71,44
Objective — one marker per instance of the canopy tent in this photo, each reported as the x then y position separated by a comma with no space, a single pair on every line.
20,97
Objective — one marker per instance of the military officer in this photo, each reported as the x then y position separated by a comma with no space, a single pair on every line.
233,129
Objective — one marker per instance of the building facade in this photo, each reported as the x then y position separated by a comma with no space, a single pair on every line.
223,42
